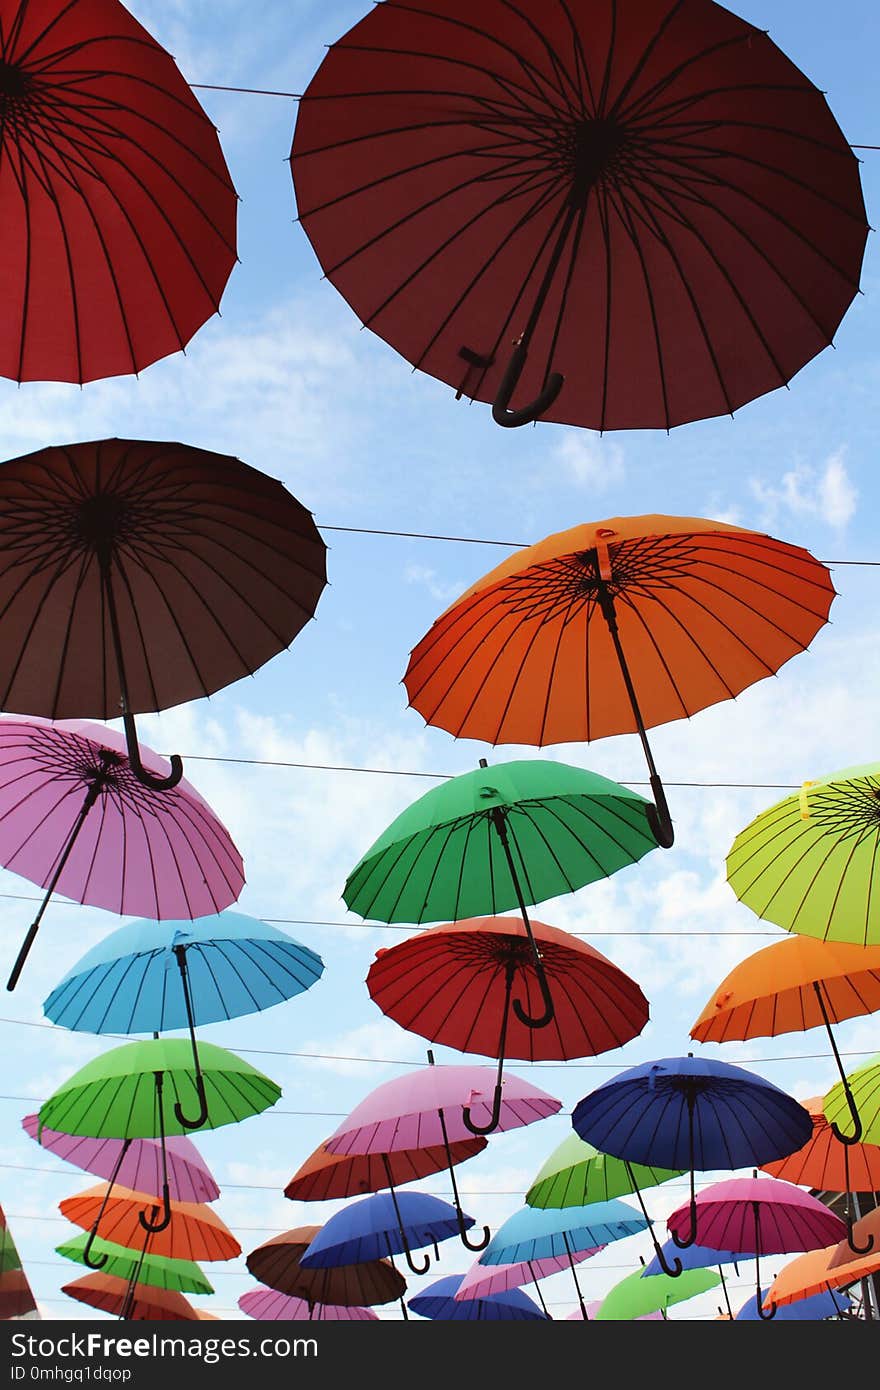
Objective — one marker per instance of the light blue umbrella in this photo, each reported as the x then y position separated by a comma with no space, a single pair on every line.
816,1308
148,977
535,1233
438,1301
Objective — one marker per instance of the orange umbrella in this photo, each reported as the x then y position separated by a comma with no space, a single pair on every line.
614,627
825,1163
834,1267
149,1304
195,1232
789,987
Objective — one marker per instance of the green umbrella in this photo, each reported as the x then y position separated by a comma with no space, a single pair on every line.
858,1096
576,1175
184,1276
501,837
121,1095
639,1293
811,862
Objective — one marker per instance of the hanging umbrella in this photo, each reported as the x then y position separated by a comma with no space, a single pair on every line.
193,1231
439,1105
113,1295
858,1096
268,1306
619,217
136,575
758,1216
588,1313
278,1264
614,627
487,840
792,986
831,1267
16,1296
75,818
386,1223
577,1174
151,976
440,1302
121,1095
640,1293
810,862
817,1308
454,985
695,1257
156,1270
117,206
134,1163
481,1280
325,1175
530,1234
693,1114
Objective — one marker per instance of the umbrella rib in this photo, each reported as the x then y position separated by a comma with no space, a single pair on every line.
624,214
644,58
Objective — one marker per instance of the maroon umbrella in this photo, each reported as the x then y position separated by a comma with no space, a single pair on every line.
137,575
276,1263
618,216
117,208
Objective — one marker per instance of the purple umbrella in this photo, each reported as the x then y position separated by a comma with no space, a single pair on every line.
269,1306
134,1163
145,853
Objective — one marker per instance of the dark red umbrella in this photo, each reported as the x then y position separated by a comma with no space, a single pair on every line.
619,216
324,1175
276,1263
117,208
137,575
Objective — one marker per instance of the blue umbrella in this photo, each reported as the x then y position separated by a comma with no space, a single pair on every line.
149,976
386,1223
813,1309
692,1113
696,1257
535,1233
438,1301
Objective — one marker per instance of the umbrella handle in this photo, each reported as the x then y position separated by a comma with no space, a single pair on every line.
493,1118
203,1107
481,1244
149,779
148,1222
527,414
856,1118
684,1241
548,1014
93,1261
416,1269
856,1249
770,1312
659,818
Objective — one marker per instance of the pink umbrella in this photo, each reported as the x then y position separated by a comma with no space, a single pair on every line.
759,1216
482,1280
426,1107
147,853
269,1306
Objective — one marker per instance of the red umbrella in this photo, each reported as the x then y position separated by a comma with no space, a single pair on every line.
324,1175
136,575
619,216
117,207
276,1263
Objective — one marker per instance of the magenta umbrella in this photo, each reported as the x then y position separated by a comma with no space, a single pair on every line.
480,1281
75,818
759,1216
267,1305
432,1106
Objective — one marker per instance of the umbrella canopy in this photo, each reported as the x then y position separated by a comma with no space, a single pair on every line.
117,206
588,1313
758,1216
693,1257
268,1306
75,818
482,1280
146,1303
577,1174
816,1308
858,1098
611,216
811,862
193,1232
614,627
278,1264
693,1114
324,1175
440,1301
452,984
640,1293
384,1224
134,1265
135,1163
832,1267
530,1234
16,1296
139,574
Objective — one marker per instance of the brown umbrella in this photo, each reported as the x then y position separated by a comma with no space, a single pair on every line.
325,1175
276,1263
137,575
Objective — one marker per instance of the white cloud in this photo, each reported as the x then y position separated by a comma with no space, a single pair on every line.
590,461
442,590
826,493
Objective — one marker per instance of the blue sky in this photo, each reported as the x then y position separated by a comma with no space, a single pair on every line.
286,380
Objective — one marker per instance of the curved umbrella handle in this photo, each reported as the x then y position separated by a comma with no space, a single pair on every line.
527,414
93,1261
765,1316
493,1118
416,1269
856,1118
549,1011
856,1249
203,1107
684,1241
672,1270
481,1244
149,779
148,1223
